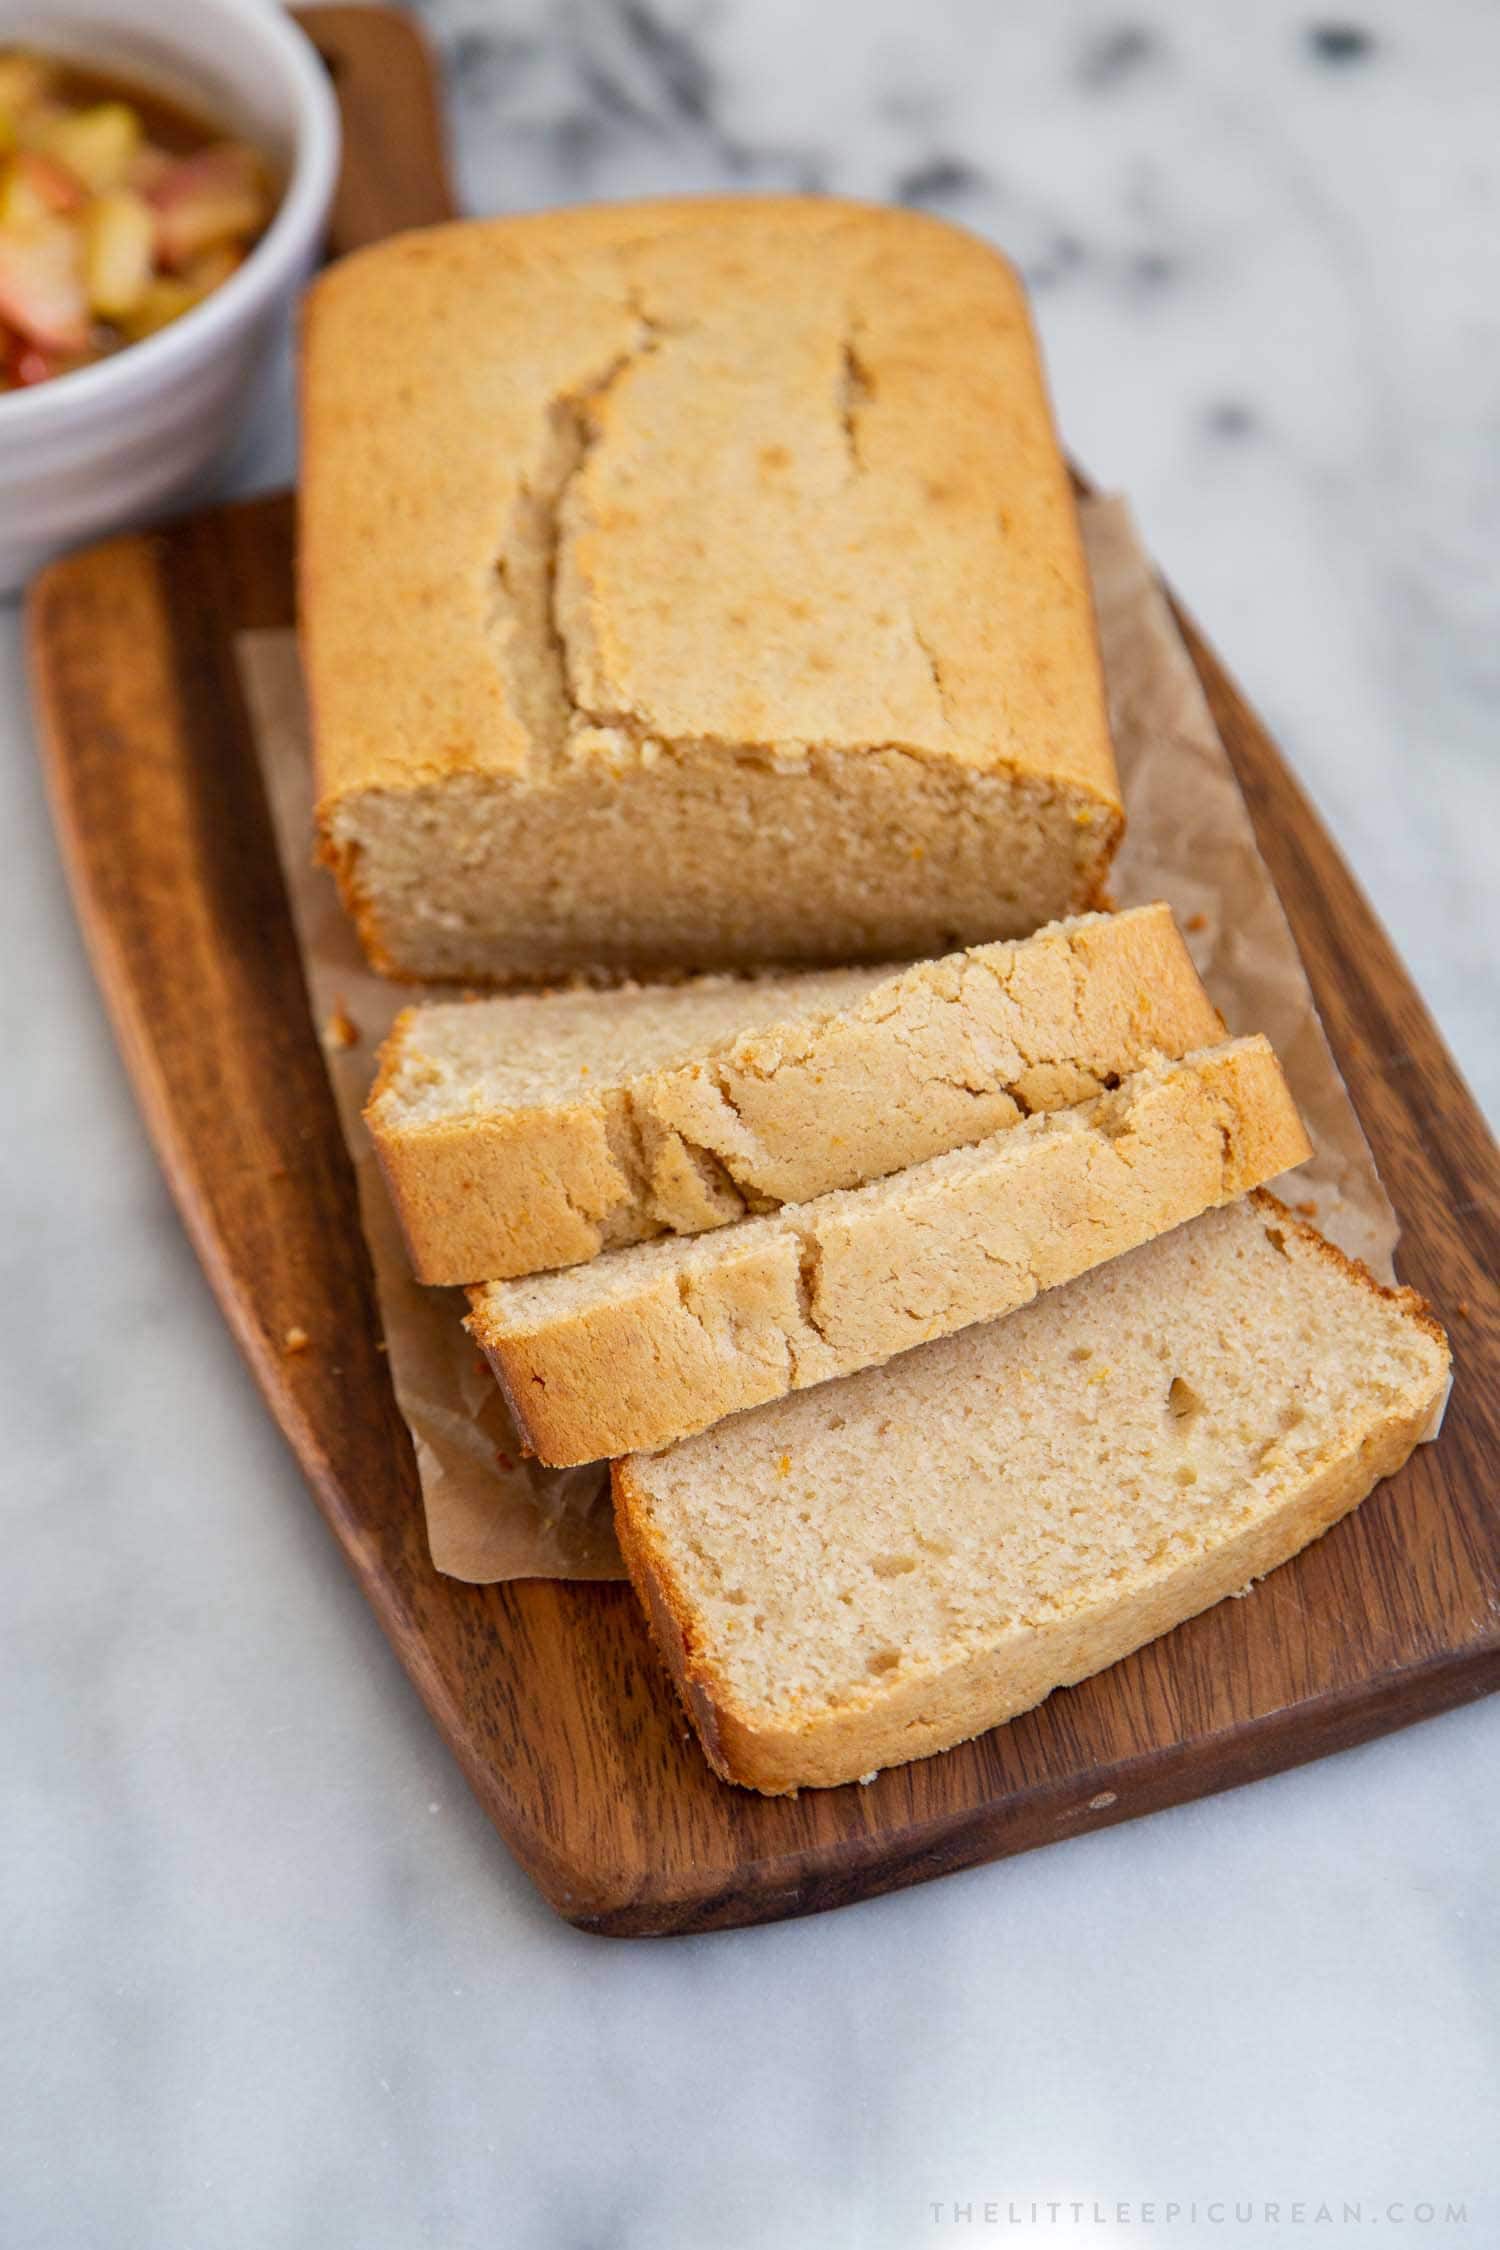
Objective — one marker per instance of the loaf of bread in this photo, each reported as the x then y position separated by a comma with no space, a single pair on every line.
536,1130
647,1345
879,1569
693,585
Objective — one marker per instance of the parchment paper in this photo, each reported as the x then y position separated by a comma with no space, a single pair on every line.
1188,839
490,1513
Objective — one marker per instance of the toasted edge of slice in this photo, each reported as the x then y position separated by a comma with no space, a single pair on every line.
650,1344
784,1741
827,1080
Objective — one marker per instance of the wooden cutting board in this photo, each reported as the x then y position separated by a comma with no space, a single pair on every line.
548,1693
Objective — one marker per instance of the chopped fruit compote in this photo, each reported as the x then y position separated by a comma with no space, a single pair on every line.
118,212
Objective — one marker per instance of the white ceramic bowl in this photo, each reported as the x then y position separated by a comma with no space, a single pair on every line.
117,442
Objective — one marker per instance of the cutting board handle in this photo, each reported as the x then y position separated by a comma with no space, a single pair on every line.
395,169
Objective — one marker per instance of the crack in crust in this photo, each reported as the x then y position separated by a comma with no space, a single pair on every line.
534,644
730,1163
808,1280
855,390
536,654
934,666
627,1148
842,1282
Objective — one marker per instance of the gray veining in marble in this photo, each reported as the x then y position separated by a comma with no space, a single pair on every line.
265,1977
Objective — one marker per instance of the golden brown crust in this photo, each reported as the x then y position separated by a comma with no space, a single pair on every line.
1408,1300
644,1350
342,863
667,1612
926,1712
757,369
958,319
846,1720
930,1058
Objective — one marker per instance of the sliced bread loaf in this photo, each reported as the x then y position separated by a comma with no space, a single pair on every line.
649,1344
848,1580
538,1130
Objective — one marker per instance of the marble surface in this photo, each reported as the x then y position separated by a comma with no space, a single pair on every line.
265,1976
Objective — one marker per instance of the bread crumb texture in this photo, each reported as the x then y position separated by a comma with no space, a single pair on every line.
340,1031
722,602
979,1522
711,1100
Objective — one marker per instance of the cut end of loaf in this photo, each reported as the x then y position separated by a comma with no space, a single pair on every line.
711,859
906,1558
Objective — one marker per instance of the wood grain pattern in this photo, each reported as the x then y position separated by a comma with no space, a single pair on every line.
394,172
548,1693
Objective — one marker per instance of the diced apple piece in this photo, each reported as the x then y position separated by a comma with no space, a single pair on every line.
216,196
23,363
58,187
119,238
147,168
33,185
96,143
41,285
21,202
163,300
211,269
29,364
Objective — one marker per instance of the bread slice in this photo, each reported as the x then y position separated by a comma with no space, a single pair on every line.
854,1578
693,585
535,1131
649,1344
